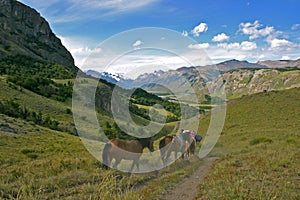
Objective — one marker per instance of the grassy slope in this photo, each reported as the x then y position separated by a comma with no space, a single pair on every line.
40,163
259,149
49,164
46,164
35,102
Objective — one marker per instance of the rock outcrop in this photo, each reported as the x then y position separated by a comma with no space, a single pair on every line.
23,31
250,81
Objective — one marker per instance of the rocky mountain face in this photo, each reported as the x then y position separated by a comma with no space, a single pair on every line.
23,31
280,63
250,81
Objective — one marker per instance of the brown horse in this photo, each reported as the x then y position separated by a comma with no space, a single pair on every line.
125,149
173,143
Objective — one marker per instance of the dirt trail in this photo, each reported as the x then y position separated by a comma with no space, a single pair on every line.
188,187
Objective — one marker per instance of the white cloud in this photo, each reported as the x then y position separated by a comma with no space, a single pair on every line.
133,65
184,33
281,44
75,10
285,58
220,37
245,46
202,27
295,27
248,46
85,50
255,30
261,57
199,46
137,43
79,50
229,46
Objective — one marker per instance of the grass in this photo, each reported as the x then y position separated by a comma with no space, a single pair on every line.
45,164
259,140
161,111
38,163
259,149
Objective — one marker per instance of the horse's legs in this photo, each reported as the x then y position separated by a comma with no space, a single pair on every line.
187,149
162,155
134,162
109,159
138,165
117,161
168,155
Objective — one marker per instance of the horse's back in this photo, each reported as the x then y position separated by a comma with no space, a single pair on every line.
132,146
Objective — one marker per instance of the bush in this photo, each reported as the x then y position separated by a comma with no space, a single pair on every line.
32,155
260,140
27,151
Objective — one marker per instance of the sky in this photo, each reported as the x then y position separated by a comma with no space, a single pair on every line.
219,30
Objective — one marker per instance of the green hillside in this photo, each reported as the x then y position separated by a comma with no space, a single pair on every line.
41,92
258,149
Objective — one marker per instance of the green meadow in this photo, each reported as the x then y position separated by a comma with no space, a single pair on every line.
258,150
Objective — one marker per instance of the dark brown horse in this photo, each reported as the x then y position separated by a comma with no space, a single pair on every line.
125,149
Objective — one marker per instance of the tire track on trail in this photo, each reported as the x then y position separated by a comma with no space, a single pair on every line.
188,187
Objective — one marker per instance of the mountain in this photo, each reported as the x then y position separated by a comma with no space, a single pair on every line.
192,74
236,64
24,32
280,63
241,78
251,81
109,77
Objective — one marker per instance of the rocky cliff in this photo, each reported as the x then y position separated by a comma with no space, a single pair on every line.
280,63
23,31
250,81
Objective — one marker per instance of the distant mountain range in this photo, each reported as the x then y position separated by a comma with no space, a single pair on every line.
237,74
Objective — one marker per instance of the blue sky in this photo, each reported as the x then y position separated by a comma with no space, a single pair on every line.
224,29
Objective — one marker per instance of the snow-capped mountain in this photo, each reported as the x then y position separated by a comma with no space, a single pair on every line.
109,77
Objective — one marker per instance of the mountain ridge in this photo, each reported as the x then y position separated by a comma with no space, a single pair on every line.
241,77
25,32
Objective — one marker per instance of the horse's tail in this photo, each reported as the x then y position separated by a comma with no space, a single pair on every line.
105,153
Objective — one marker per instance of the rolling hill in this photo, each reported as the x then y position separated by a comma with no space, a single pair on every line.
258,149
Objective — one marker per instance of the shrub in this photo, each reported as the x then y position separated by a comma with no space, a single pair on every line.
32,155
27,151
260,140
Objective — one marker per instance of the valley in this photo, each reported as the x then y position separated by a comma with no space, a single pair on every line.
45,97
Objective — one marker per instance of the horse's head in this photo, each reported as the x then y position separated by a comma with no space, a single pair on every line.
147,142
